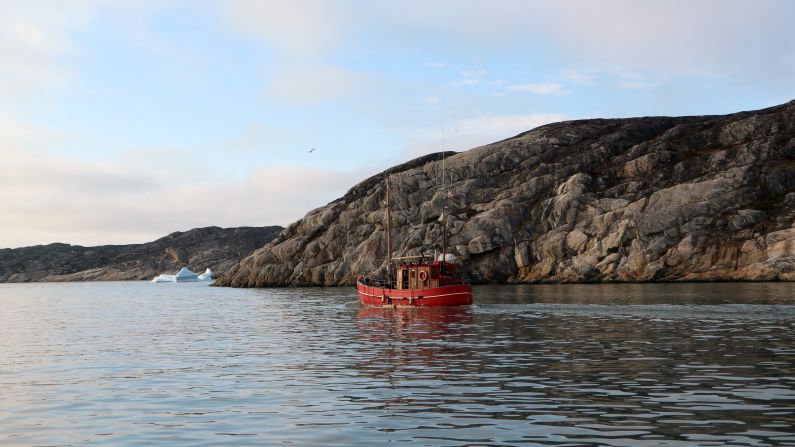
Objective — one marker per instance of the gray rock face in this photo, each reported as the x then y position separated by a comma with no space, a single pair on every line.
213,247
641,199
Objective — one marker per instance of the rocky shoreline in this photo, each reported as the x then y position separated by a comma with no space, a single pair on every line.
699,198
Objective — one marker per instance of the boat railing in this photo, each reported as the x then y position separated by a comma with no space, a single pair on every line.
375,282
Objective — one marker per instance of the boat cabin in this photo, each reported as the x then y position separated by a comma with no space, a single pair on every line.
424,275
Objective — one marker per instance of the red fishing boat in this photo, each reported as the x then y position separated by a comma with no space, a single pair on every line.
420,281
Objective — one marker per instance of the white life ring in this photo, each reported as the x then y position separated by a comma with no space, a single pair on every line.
423,276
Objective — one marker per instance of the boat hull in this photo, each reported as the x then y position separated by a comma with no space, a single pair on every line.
452,295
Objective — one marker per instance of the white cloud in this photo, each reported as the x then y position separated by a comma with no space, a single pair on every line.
259,137
478,73
40,47
300,28
622,77
741,39
304,33
578,76
500,127
707,37
470,78
14,134
702,37
546,88
35,42
46,198
466,82
313,83
143,193
466,133
637,85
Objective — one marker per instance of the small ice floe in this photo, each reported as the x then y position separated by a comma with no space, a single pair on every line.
164,278
206,276
183,275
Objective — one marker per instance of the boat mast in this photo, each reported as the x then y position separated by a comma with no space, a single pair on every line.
443,155
444,239
388,236
444,209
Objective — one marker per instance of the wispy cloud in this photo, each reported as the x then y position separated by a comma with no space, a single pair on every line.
143,193
299,29
622,77
477,73
631,79
578,76
627,30
470,78
643,35
15,134
498,127
35,43
544,88
260,137
310,83
466,82
466,133
51,199
637,84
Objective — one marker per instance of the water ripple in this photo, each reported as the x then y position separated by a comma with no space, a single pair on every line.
615,365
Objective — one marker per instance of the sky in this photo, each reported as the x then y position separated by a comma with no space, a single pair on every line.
123,121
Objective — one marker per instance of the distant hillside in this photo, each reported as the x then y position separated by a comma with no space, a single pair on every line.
200,248
636,199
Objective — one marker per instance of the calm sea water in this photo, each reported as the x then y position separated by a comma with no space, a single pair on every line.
135,363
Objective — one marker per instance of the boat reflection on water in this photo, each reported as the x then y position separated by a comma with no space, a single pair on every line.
408,349
408,323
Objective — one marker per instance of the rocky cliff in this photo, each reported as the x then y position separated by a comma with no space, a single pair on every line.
213,247
640,199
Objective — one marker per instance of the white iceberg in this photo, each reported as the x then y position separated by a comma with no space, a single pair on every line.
164,278
183,275
206,276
